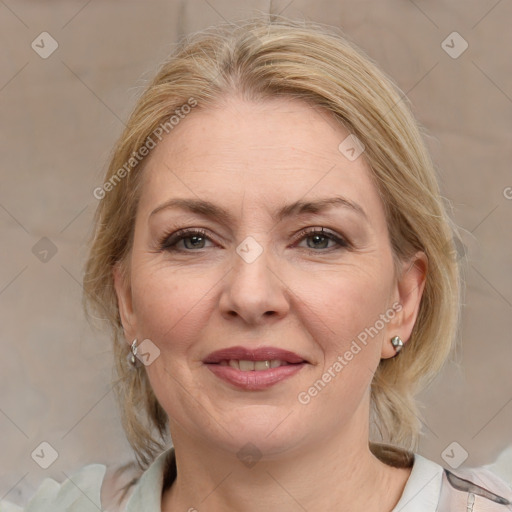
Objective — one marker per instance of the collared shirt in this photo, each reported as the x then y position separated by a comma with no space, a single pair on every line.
429,488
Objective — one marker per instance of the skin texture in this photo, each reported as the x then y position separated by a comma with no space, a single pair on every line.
310,296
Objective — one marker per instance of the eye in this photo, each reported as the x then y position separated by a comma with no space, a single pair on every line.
195,239
192,239
320,239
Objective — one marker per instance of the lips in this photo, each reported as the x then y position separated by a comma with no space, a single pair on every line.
258,354
254,369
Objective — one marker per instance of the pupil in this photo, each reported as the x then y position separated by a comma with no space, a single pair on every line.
197,239
316,237
194,239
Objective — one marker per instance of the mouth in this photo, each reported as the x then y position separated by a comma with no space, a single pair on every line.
271,357
250,366
254,369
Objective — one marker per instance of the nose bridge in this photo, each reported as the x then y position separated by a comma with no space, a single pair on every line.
252,288
252,260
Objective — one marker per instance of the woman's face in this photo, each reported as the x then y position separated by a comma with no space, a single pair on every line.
258,274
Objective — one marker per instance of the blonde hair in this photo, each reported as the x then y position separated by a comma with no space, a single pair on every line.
267,57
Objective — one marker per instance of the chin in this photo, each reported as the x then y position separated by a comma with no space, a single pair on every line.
266,429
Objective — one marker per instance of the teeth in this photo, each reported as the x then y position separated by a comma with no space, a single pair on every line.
261,365
247,366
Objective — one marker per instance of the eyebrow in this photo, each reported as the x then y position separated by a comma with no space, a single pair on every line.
208,209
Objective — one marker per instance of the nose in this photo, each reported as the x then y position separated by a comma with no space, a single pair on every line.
253,289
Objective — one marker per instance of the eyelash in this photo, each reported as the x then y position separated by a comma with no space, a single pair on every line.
170,240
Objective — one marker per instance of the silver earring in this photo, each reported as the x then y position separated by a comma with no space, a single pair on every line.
133,353
397,342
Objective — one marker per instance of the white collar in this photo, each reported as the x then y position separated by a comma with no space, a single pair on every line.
421,491
147,494
423,487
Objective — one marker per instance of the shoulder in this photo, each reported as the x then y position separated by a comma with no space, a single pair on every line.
91,488
118,486
81,490
431,487
477,489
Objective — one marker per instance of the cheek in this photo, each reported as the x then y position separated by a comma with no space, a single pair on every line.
348,329
169,306
344,303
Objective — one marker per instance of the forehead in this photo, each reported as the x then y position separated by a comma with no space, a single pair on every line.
265,151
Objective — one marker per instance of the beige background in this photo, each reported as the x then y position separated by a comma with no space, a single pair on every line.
60,117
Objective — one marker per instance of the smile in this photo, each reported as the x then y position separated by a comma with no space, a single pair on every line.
247,366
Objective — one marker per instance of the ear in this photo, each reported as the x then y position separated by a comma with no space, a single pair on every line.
408,292
124,301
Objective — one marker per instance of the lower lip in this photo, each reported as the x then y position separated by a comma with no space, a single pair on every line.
255,379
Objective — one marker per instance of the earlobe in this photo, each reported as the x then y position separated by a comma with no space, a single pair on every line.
409,289
124,301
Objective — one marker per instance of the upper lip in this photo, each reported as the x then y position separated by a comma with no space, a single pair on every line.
253,354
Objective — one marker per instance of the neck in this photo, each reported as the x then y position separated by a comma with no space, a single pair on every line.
340,473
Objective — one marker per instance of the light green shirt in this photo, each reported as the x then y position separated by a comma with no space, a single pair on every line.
428,489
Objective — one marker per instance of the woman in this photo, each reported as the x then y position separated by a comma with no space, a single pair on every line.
276,262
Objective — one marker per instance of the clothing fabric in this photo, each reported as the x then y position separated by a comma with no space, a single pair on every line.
430,488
